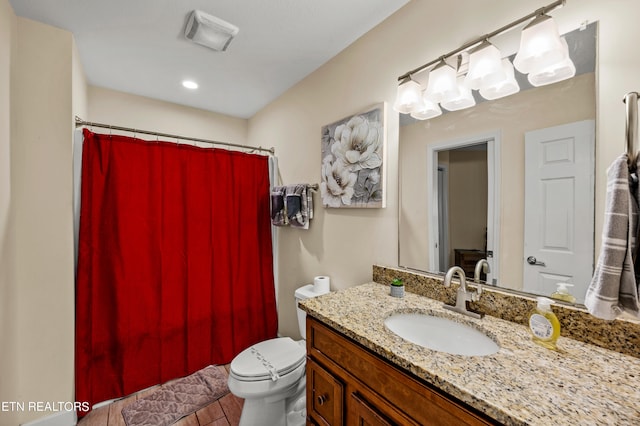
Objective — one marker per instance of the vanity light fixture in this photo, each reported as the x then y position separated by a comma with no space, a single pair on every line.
485,67
540,45
559,71
543,55
507,87
442,84
463,100
409,96
427,110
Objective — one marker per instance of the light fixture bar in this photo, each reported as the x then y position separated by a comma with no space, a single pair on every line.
538,12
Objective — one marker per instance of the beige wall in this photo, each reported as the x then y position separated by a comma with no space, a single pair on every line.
41,112
8,329
123,109
79,89
344,244
341,243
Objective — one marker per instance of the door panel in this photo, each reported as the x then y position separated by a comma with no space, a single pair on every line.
559,208
366,415
324,395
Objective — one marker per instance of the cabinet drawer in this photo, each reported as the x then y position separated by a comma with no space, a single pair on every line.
324,396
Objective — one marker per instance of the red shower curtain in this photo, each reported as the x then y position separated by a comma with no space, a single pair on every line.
174,263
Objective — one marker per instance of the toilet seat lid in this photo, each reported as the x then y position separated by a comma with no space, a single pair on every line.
267,360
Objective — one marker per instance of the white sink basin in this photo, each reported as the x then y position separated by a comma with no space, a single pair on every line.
441,334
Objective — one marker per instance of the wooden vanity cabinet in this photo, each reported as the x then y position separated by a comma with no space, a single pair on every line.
348,384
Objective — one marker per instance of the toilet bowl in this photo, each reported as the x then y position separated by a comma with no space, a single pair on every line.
270,377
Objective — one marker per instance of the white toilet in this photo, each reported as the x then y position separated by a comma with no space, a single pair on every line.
270,376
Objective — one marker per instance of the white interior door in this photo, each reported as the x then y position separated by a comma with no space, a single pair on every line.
559,208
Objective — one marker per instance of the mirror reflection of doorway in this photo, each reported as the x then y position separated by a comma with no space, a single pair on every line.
464,187
463,196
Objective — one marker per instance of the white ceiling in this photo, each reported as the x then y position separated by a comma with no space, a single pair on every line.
138,46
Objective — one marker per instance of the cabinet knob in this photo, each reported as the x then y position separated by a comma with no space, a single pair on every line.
321,399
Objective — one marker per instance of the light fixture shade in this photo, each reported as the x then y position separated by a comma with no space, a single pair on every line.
427,110
442,83
408,97
463,100
209,31
553,73
540,45
507,87
485,67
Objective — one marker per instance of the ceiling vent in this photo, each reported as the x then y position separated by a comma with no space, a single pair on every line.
209,31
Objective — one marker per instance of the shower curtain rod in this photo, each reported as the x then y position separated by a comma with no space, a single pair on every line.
80,122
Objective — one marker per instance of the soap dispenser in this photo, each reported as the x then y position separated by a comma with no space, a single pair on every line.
562,293
544,325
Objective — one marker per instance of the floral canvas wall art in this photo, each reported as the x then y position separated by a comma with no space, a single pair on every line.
353,152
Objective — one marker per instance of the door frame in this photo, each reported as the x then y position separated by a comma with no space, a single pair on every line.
493,141
443,207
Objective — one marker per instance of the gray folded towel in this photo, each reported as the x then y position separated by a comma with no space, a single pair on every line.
297,206
292,205
278,213
613,288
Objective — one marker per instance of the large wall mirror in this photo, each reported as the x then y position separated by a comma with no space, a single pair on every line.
509,180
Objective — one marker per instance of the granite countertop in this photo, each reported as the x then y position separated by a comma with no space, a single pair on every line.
522,384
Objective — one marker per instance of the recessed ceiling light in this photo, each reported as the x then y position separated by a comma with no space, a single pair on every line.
190,84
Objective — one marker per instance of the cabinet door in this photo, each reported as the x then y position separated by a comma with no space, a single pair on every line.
324,396
364,414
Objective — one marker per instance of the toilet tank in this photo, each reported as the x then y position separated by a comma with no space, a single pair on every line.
305,292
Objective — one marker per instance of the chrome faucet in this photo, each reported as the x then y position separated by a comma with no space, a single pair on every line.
463,295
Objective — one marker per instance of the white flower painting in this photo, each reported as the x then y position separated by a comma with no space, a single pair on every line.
352,173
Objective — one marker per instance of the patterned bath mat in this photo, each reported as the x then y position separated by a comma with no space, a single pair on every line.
178,398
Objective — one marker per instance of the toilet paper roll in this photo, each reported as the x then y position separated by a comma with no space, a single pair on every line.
321,284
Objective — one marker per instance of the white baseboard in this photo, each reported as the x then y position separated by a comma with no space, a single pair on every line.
104,403
63,418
